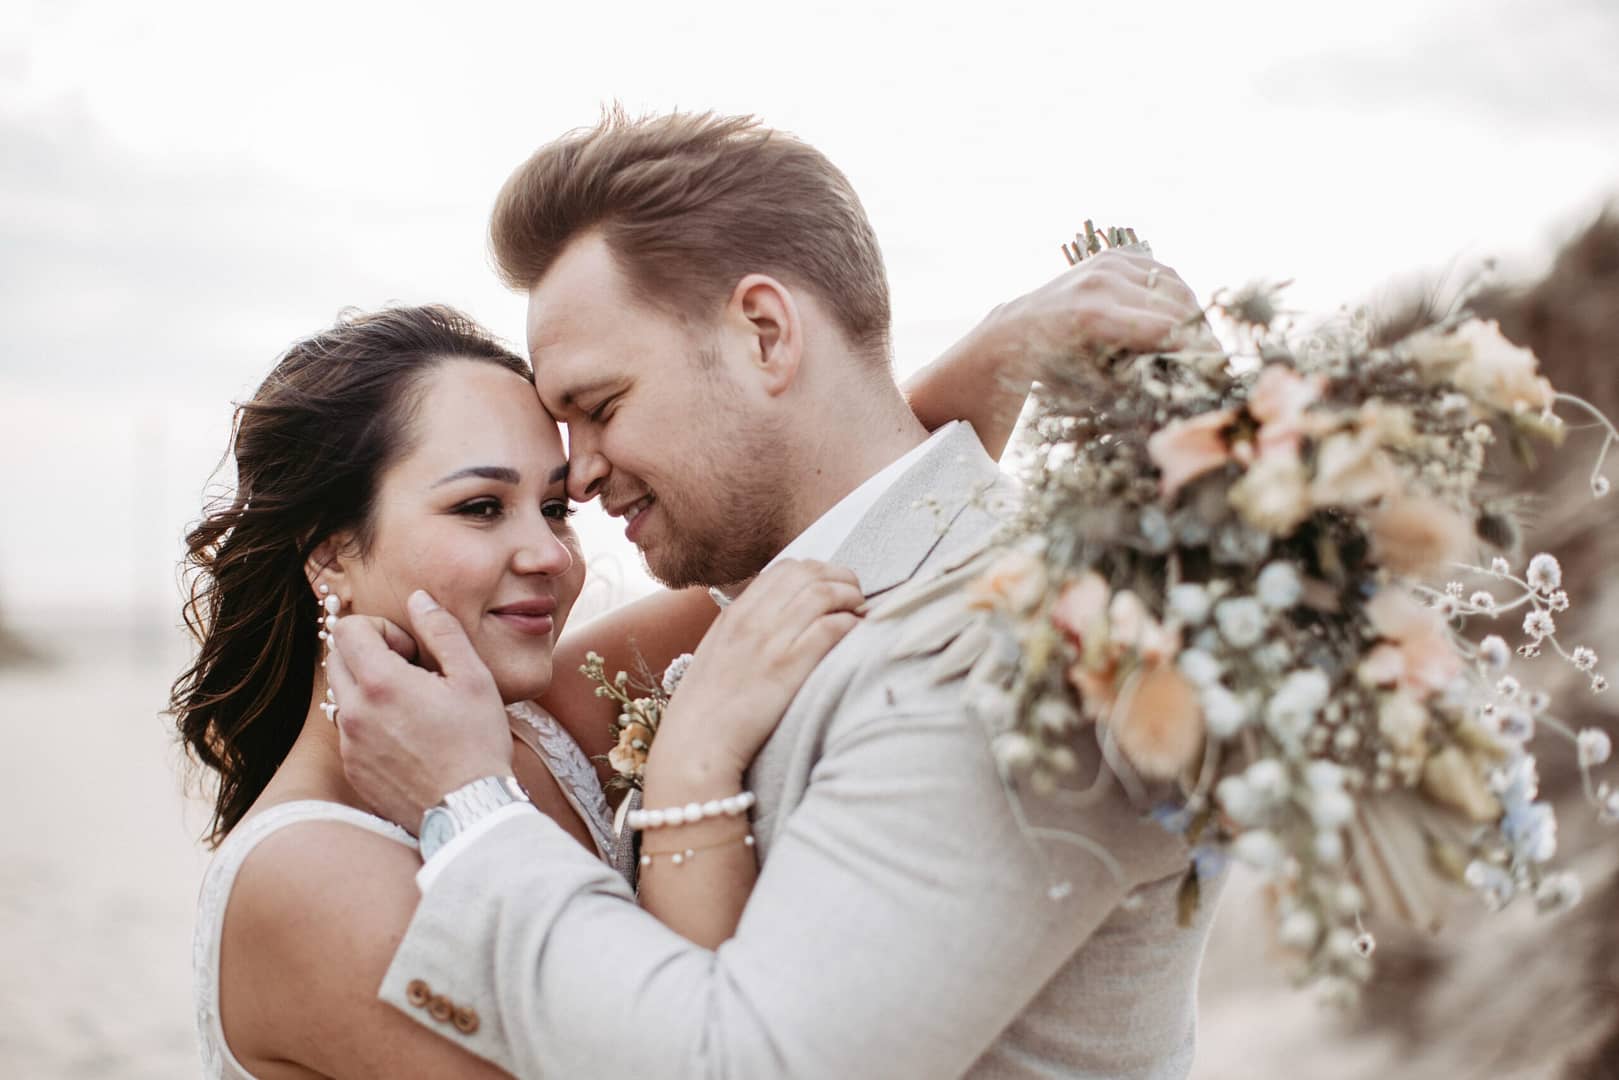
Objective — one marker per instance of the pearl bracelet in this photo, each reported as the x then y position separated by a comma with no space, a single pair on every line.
732,806
680,858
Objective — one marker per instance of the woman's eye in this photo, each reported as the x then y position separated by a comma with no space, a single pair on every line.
559,510
482,509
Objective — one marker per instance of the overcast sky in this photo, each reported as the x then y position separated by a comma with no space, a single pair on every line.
185,188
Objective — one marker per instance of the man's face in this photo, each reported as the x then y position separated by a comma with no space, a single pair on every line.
663,426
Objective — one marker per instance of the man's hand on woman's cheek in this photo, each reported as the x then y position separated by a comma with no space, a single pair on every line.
409,735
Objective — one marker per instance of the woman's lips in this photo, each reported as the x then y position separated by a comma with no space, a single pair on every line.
529,616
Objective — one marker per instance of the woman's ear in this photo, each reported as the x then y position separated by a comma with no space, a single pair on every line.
329,565
767,308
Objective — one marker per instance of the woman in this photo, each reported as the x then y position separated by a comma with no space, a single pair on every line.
398,451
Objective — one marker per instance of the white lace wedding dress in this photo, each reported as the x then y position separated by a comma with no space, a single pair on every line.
534,727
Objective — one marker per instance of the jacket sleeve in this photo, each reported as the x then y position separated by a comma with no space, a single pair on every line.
900,923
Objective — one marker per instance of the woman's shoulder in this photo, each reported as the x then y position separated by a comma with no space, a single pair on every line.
311,853
287,894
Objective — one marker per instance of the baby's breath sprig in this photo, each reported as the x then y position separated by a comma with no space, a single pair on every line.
641,708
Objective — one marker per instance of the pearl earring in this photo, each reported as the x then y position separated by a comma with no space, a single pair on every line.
330,607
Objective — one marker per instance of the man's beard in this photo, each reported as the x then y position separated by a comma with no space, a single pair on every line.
741,529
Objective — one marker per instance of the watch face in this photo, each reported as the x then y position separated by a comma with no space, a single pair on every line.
437,828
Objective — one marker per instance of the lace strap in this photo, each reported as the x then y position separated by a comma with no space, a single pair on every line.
574,773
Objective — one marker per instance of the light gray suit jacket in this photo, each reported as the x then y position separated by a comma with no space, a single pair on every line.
902,924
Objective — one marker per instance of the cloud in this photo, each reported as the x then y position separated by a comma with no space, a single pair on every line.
114,265
1519,67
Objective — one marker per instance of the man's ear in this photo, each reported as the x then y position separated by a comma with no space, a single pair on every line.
766,308
328,565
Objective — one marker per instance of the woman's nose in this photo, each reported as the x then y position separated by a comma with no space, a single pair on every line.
543,553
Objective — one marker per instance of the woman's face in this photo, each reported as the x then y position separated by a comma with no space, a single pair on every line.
476,513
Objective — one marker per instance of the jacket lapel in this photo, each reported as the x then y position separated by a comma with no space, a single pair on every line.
898,534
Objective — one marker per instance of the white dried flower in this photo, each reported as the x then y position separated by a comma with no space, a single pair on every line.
1539,701
1495,883
1557,893
1447,607
1239,801
1365,945
1267,779
1500,567
1199,667
1545,574
1531,829
1224,714
1539,624
1508,687
1482,601
1607,805
1517,782
1453,588
1055,716
1015,751
1594,747
1190,603
1494,652
1329,847
1278,587
1323,776
1331,808
1584,658
1260,849
1598,684
1600,486
1296,703
1517,724
1558,601
1242,621
1299,930
675,672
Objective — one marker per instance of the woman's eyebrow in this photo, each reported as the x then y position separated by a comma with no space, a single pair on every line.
485,472
558,474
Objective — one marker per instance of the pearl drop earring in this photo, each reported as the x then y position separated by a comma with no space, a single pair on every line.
330,606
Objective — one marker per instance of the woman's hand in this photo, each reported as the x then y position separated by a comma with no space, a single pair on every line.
1116,300
749,667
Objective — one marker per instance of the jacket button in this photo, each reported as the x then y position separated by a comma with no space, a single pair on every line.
418,993
466,1021
440,1008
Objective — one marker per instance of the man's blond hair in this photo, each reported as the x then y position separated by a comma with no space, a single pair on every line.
689,203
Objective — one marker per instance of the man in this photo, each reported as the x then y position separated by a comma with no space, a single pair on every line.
708,312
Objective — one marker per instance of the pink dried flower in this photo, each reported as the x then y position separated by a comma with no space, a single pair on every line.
1183,450
1081,609
1157,722
1420,635
1414,537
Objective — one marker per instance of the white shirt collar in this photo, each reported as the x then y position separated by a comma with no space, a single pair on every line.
823,538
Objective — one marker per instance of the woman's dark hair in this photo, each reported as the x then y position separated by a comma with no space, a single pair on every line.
310,448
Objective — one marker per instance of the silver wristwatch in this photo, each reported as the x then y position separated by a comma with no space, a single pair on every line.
467,804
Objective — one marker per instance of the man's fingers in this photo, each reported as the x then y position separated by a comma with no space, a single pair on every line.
363,652
393,635
443,640
819,638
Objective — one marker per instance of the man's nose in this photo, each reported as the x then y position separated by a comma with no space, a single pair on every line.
587,469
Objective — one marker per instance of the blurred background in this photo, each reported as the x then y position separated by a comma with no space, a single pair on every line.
186,188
